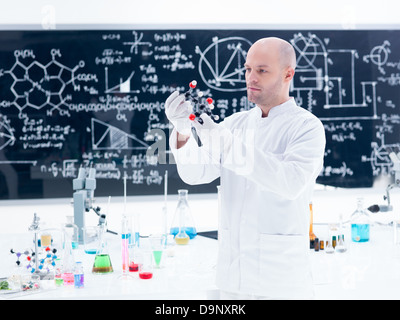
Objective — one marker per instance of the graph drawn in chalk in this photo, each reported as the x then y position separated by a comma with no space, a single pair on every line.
134,45
314,75
124,86
108,137
221,63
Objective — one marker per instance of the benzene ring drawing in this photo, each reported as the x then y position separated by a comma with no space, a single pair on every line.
221,64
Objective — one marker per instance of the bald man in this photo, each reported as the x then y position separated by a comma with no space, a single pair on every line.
268,159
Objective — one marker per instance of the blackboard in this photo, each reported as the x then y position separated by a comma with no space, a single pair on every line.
95,98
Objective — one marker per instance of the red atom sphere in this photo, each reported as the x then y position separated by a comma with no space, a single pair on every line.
192,117
210,100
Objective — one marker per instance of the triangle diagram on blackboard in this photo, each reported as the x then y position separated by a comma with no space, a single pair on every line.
108,137
6,135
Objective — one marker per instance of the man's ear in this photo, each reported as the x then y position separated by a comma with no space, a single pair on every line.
289,74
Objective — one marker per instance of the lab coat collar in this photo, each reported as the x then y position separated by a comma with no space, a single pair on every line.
279,109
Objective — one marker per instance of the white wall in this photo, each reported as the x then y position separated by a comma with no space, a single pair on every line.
278,13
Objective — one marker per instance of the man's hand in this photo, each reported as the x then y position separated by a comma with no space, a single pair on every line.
177,111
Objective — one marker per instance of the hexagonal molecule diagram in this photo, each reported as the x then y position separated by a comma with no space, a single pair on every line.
36,85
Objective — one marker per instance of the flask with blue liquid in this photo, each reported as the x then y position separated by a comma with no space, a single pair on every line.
360,223
183,227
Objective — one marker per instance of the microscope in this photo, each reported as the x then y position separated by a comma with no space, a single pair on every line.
84,186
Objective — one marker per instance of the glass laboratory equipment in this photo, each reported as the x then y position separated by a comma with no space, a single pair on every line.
145,259
68,262
71,230
328,248
157,247
183,224
126,243
58,279
102,261
91,239
360,223
340,246
125,236
311,232
79,277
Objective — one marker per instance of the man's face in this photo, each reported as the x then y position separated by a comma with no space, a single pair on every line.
264,76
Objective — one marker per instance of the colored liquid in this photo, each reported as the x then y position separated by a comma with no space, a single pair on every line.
360,232
157,257
134,267
58,281
75,244
181,240
45,240
125,254
190,231
91,251
68,278
145,275
102,264
79,280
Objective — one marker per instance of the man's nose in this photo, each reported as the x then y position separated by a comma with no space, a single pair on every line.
251,77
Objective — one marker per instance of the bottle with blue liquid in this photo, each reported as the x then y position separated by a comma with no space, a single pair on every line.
360,223
183,224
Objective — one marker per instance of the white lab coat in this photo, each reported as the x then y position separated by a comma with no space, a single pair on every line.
264,218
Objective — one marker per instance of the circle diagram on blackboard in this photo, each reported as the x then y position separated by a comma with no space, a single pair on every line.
221,64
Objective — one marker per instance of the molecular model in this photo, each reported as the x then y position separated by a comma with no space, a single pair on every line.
199,106
46,263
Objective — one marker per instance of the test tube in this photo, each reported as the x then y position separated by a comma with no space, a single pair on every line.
125,235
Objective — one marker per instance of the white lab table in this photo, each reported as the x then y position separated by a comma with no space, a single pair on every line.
365,271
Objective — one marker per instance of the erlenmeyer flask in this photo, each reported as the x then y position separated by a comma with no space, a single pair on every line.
183,222
102,261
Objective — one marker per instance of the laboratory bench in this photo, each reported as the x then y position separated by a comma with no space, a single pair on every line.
369,270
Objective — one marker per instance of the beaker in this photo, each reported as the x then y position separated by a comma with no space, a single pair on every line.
102,261
145,259
72,230
360,223
91,239
183,224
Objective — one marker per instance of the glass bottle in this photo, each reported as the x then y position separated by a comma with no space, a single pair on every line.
341,247
311,233
79,277
360,223
183,222
71,230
